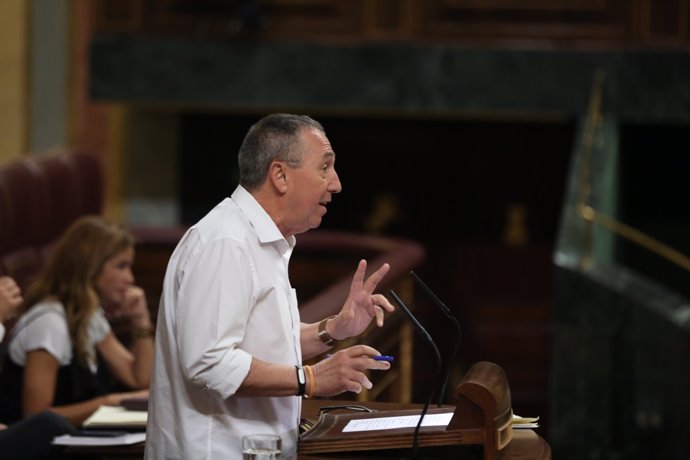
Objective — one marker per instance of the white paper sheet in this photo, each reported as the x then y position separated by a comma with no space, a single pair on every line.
123,440
389,423
113,416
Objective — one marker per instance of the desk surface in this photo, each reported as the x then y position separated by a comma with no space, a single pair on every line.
526,444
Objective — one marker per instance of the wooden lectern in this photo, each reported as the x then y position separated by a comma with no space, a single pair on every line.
483,416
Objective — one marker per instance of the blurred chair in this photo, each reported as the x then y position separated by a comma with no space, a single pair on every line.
40,196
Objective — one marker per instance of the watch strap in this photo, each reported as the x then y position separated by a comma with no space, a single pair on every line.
323,333
301,380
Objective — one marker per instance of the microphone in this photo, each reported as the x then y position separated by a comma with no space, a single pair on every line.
447,311
420,328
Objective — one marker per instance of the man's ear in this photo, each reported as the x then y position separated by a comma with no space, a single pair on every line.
278,175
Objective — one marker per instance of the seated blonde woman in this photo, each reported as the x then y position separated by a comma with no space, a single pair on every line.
54,347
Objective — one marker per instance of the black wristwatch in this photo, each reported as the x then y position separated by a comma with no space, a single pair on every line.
301,380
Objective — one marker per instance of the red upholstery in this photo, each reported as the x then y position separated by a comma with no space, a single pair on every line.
40,196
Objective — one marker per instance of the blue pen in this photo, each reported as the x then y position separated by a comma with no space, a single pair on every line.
376,357
383,358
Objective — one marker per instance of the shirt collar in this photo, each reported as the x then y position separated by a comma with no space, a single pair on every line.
266,229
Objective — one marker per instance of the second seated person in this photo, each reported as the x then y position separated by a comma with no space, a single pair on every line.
52,352
229,340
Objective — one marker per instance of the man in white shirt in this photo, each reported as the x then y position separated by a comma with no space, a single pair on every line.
229,343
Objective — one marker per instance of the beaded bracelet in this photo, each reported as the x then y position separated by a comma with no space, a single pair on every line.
311,382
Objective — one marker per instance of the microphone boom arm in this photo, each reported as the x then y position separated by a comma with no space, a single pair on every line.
420,328
446,311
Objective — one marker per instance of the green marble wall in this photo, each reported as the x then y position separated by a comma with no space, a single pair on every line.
418,79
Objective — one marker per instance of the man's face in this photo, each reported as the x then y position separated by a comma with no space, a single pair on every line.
312,185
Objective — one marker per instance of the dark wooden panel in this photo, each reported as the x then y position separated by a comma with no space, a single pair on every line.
314,18
528,22
123,16
666,21
503,296
268,19
390,19
202,17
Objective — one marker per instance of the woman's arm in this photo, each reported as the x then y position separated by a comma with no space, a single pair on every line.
40,379
132,367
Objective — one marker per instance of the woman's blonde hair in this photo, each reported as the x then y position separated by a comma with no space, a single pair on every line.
71,270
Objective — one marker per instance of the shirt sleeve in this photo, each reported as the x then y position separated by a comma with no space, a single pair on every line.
46,332
214,303
99,327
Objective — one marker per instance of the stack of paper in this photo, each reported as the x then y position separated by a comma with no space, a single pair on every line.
116,417
525,422
124,439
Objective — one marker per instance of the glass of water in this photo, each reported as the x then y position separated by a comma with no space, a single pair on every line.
261,447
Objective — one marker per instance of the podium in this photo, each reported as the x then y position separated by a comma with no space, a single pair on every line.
482,417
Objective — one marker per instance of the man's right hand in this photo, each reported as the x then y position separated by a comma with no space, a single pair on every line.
346,370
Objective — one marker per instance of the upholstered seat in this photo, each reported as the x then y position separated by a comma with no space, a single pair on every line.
40,196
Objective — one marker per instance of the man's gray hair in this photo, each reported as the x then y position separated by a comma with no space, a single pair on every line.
274,137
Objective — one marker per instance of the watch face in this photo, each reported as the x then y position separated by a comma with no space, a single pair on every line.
300,375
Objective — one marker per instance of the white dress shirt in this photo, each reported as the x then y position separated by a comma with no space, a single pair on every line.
226,297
